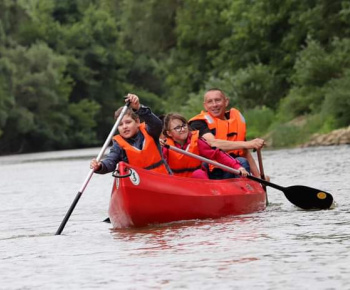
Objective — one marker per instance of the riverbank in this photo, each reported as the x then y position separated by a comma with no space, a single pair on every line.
336,137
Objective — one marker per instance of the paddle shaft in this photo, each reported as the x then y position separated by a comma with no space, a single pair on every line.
87,179
261,167
301,196
224,167
262,174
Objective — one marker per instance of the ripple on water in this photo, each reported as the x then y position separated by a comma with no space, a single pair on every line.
281,248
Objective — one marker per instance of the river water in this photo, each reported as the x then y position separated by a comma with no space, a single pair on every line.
281,248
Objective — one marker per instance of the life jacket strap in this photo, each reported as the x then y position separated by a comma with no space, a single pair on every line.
189,169
155,165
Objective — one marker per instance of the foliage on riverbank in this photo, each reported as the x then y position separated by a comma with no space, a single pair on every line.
65,65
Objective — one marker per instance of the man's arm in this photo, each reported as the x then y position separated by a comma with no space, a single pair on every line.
226,145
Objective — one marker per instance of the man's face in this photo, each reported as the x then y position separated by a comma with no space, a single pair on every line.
215,103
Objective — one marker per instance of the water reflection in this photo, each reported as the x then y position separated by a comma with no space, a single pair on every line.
184,236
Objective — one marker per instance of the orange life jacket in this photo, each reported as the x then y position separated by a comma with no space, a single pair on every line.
148,157
180,164
233,129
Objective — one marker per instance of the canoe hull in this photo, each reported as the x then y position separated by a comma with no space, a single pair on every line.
148,198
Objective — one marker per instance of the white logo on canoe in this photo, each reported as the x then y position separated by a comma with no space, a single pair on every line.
134,177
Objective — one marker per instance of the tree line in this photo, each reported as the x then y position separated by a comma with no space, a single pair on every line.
65,65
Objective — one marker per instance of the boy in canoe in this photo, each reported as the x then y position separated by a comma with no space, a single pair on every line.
137,142
177,132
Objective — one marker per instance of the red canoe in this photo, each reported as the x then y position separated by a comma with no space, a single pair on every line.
146,197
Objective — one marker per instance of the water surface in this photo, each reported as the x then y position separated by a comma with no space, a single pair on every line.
281,248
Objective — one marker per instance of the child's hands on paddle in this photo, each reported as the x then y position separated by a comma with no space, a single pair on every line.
162,141
95,165
243,172
134,101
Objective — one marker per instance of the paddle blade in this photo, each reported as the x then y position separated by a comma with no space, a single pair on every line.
308,198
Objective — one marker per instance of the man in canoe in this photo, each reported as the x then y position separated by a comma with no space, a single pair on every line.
225,130
177,133
137,142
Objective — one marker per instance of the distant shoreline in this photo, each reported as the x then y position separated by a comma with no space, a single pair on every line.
336,137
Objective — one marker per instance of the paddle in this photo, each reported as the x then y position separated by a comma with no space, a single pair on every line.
262,174
299,195
261,167
98,158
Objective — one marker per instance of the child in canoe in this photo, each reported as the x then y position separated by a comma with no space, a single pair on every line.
137,143
176,130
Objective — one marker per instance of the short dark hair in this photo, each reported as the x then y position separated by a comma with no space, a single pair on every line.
216,89
128,112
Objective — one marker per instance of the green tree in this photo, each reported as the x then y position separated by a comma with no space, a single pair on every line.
97,62
148,31
82,121
199,29
337,100
317,69
38,93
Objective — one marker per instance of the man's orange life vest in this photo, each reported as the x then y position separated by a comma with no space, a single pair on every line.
233,129
148,157
183,165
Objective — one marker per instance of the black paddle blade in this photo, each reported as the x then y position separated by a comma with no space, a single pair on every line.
308,198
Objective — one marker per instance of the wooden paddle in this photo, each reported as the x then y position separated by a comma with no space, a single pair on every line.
262,174
261,167
299,195
98,158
